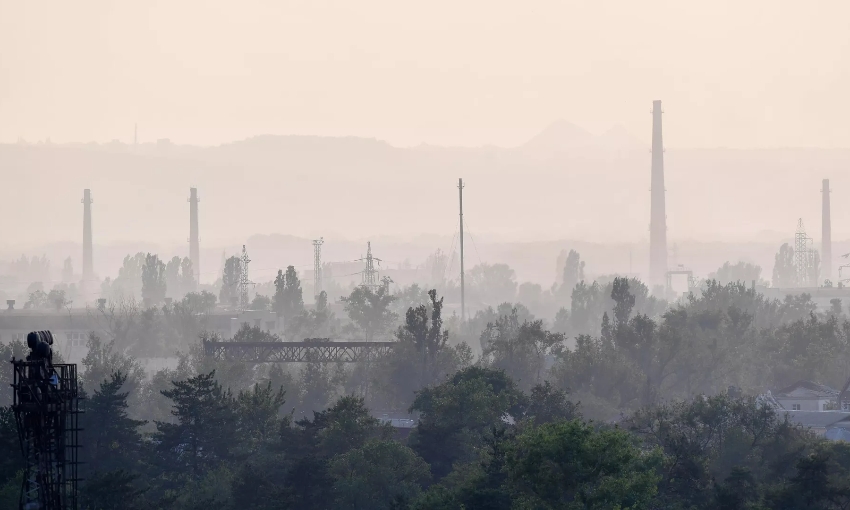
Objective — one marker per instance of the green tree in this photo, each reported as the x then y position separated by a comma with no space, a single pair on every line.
379,475
154,284
740,272
112,438
202,434
230,281
261,302
199,302
188,283
112,490
421,356
492,283
520,349
13,460
58,299
258,413
370,310
104,359
288,298
457,416
172,278
571,465
572,273
784,270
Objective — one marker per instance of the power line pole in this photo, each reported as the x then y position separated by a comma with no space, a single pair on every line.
317,265
244,282
462,287
370,274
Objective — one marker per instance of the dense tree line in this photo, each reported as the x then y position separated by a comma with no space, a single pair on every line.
628,408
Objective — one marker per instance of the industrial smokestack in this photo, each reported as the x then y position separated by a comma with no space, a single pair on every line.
826,235
658,212
194,241
88,265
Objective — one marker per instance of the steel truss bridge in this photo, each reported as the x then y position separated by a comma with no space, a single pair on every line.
310,350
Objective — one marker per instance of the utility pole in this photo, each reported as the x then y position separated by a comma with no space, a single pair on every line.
370,274
462,288
194,238
88,264
317,265
244,282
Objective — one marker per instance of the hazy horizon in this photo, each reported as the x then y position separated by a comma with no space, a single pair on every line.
761,74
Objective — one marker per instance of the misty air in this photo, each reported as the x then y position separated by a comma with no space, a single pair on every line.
441,256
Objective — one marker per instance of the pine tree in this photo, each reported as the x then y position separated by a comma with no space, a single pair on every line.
112,437
205,419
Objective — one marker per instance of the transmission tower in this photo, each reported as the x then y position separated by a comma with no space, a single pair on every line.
317,265
244,282
804,256
370,274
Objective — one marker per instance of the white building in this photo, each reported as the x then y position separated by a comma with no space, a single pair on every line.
807,396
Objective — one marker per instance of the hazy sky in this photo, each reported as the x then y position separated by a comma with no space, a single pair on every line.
738,74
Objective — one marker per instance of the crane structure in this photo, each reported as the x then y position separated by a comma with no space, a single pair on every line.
46,406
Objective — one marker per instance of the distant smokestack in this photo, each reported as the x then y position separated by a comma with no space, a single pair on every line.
88,265
826,235
658,212
194,241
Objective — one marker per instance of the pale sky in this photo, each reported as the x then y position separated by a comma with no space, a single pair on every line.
769,73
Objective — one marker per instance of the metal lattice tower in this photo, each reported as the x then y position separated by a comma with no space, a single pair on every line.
244,281
317,265
370,274
803,255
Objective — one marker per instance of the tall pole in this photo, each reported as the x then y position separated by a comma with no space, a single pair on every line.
317,265
826,235
88,264
194,238
462,288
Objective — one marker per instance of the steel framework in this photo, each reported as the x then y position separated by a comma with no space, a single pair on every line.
46,407
244,281
804,257
315,350
370,274
317,265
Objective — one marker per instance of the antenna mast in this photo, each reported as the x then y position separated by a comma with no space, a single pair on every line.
244,282
462,287
317,265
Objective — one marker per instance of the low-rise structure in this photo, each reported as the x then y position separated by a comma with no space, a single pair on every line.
807,396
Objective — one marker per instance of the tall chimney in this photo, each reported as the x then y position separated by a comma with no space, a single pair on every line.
194,241
88,265
826,236
658,213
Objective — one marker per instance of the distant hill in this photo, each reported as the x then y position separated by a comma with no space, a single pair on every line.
564,183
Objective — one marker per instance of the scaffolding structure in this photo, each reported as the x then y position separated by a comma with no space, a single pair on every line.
46,407
317,265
